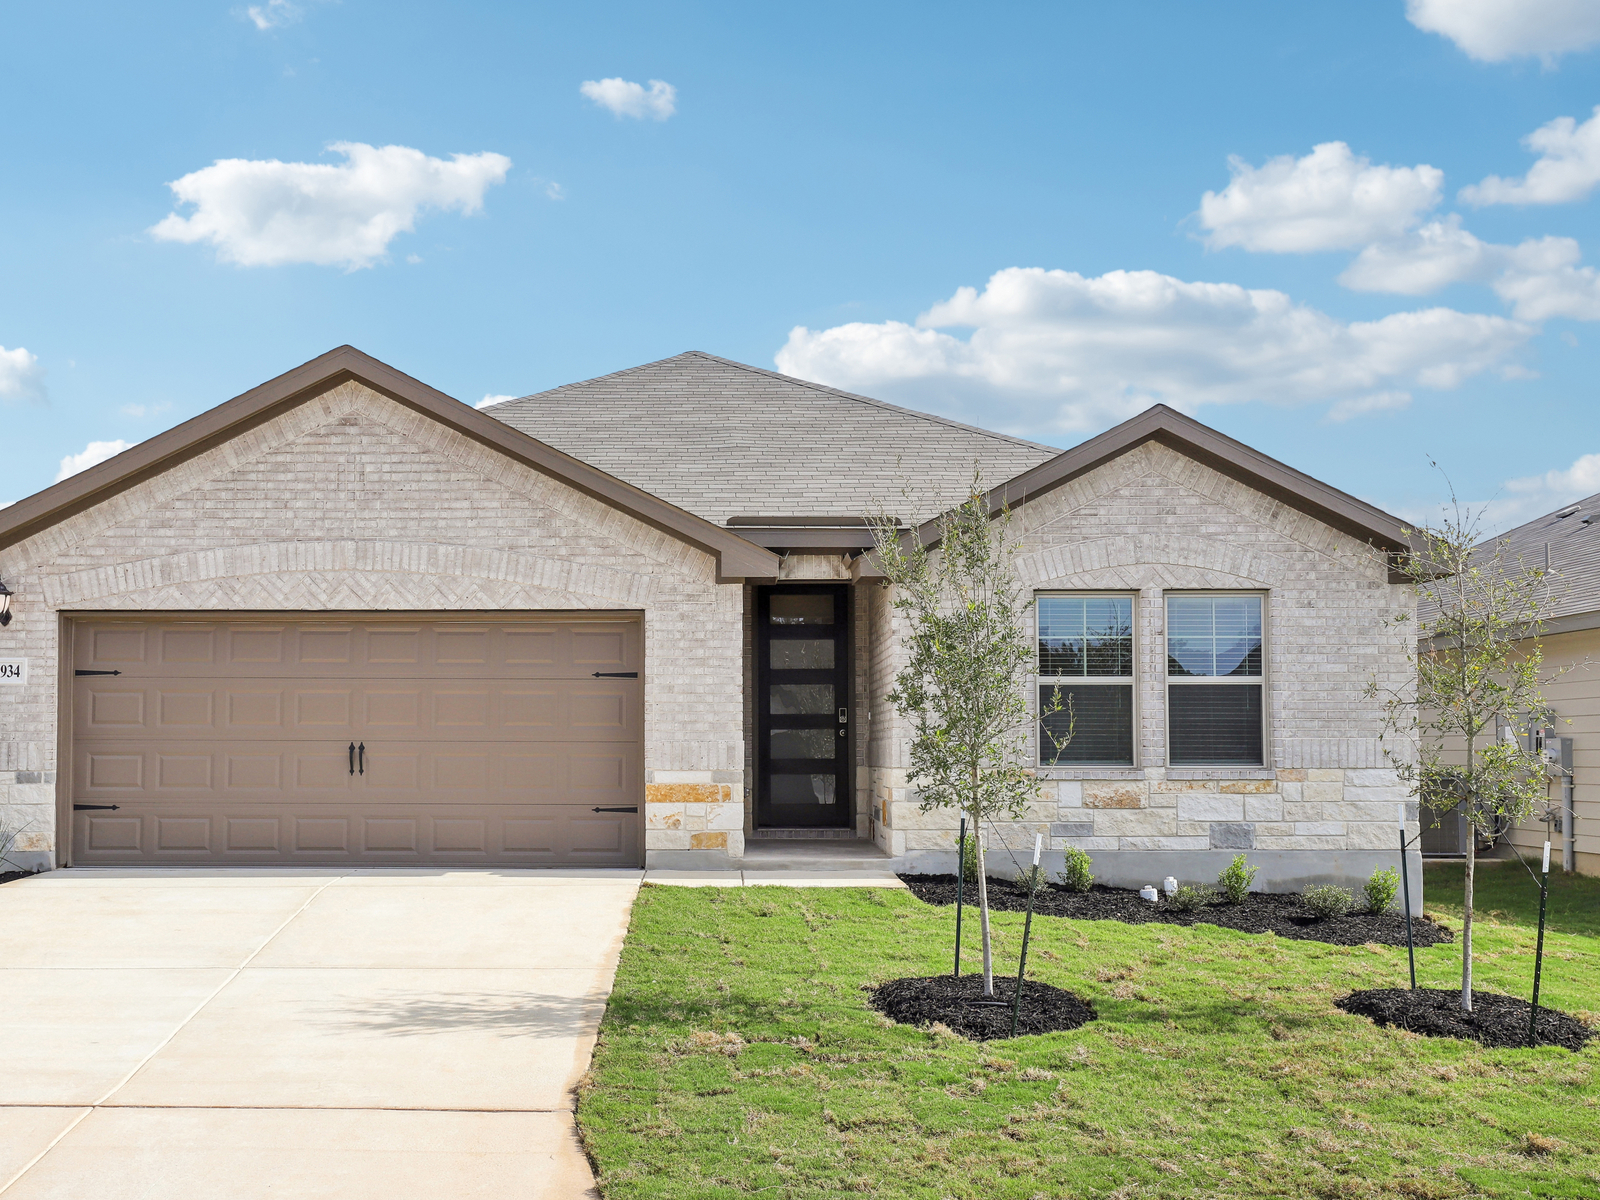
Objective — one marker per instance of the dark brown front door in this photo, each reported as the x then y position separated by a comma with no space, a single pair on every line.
802,706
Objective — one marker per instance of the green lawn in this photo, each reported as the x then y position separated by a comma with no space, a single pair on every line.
738,1057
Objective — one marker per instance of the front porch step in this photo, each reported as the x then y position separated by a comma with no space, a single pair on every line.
806,855
805,835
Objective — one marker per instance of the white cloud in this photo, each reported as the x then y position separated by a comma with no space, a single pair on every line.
555,192
266,213
490,400
1328,200
1521,500
1495,30
1361,406
93,453
1548,283
1568,168
21,377
1540,278
1053,350
627,99
1437,255
273,14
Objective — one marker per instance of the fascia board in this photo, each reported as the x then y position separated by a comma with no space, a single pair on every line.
736,556
1216,450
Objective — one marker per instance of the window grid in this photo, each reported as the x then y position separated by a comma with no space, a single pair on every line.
1229,651
1086,640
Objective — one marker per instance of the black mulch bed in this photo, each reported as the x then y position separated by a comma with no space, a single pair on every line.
1261,912
1495,1020
8,876
960,1005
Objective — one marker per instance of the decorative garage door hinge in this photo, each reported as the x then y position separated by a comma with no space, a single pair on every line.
625,808
96,807
615,675
97,672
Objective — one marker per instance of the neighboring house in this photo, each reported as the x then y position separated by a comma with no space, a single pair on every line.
1567,544
345,619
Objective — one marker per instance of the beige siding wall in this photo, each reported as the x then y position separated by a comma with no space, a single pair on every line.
1575,697
1155,521
354,502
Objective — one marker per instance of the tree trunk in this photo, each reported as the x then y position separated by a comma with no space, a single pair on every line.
983,921
1466,922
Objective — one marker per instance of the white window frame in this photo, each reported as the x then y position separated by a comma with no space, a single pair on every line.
1261,681
1132,680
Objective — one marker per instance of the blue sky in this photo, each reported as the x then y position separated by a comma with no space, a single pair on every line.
812,188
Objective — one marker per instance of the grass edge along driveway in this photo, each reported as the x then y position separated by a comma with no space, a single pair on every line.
738,1057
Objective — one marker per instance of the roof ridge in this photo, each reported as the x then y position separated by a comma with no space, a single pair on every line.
798,382
1511,534
561,387
876,403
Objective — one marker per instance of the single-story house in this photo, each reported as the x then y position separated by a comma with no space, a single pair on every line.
344,618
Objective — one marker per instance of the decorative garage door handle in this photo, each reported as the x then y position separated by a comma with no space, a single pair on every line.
352,758
615,675
361,758
95,807
625,808
97,672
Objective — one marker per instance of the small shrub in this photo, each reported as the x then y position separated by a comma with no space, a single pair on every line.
1075,875
1188,898
969,859
1236,880
1327,901
1381,888
1031,880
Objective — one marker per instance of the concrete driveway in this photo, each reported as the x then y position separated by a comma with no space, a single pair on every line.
211,1035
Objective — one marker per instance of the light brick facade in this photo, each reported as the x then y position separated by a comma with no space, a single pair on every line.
1151,522
351,501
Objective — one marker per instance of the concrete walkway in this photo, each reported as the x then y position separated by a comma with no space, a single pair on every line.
360,1035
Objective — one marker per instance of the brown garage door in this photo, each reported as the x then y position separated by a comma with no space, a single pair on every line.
369,740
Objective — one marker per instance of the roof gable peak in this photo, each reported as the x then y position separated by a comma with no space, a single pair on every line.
737,557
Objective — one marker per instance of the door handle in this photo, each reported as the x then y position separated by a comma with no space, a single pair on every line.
95,807
361,758
844,715
352,758
624,808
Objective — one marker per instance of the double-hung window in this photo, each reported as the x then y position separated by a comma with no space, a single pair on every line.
1085,660
1215,680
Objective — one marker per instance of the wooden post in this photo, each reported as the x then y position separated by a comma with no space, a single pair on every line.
961,877
1538,953
1027,928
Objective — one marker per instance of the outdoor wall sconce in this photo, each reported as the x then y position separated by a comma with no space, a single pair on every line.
5,605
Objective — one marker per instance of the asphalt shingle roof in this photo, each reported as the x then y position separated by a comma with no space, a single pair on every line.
1574,550
722,439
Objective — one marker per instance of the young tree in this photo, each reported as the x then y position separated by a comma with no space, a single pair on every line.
1479,671
969,656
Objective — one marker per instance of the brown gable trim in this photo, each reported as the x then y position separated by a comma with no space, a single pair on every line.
737,557
1222,453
